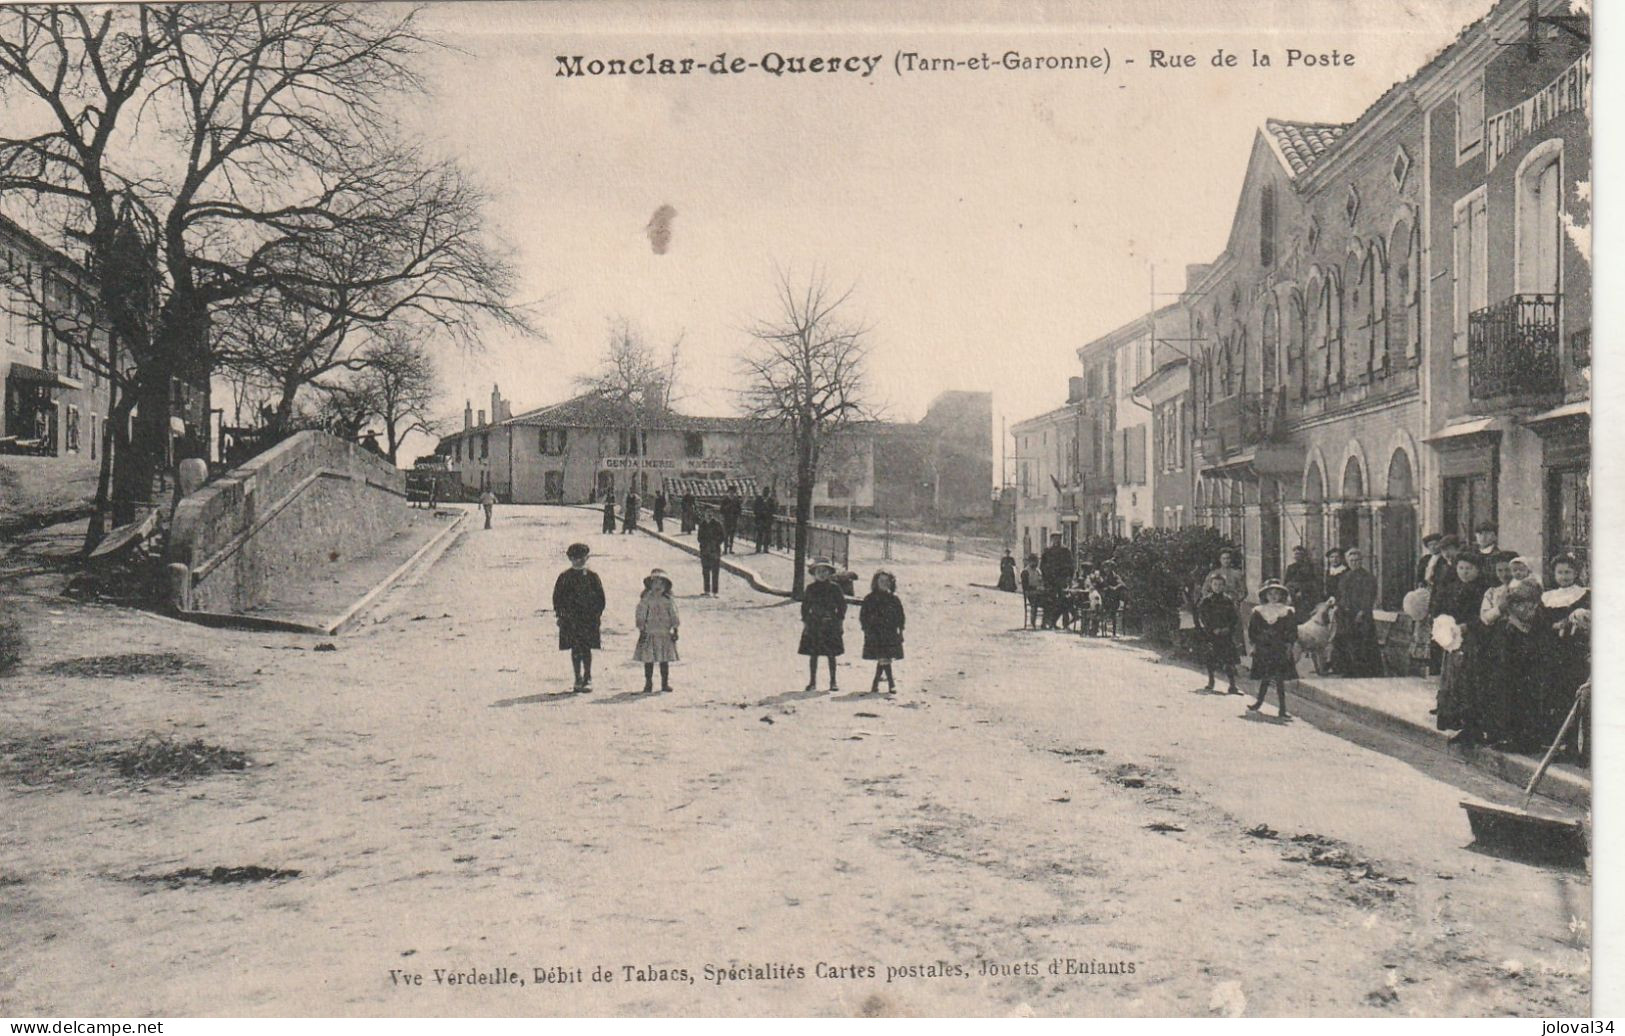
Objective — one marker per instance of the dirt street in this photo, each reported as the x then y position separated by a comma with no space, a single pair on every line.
1033,824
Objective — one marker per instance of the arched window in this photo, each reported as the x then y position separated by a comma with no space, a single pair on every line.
1296,378
1539,219
1243,359
1376,262
1356,359
1227,374
1314,498
1350,532
1331,303
1269,345
1405,265
1397,566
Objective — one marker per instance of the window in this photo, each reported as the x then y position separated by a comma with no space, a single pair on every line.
1469,270
1467,501
693,444
1469,119
633,442
553,487
838,490
485,446
552,441
457,450
73,429
1266,225
1539,201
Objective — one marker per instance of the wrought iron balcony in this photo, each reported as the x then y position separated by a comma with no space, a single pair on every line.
1239,421
1512,348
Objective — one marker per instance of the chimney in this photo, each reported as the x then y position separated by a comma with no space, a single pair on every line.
496,404
1074,389
468,414
482,419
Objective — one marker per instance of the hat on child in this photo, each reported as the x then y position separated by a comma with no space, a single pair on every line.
1273,584
820,563
577,550
659,574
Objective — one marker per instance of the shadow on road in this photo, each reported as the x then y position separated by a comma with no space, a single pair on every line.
627,696
535,699
790,696
864,696
1259,717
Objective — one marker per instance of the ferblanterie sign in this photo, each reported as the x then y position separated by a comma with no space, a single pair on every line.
1569,92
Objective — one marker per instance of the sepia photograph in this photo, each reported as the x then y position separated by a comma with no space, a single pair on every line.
807,509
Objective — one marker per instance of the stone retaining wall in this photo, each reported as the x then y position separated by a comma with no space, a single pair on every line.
308,503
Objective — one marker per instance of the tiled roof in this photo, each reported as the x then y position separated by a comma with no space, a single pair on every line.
1302,143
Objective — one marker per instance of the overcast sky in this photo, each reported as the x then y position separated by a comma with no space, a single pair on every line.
991,222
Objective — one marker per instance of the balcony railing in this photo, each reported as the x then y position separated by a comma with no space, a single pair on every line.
1239,421
1512,348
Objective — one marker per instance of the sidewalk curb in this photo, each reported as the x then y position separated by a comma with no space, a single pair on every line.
748,575
1380,729
424,557
1558,784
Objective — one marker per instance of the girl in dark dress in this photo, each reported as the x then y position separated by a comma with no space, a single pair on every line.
1564,623
578,604
823,612
1216,622
881,617
1494,677
609,513
1273,629
1459,704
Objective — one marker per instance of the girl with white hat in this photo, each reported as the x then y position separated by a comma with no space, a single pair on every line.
657,630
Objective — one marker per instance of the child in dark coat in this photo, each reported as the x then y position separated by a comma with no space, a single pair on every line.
578,604
882,620
1273,629
823,612
1216,622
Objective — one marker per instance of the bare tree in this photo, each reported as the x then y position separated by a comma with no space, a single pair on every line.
397,385
207,153
805,375
636,385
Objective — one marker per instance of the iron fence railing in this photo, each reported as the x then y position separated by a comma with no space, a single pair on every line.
1512,348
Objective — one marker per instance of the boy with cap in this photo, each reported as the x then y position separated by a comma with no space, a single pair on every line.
578,605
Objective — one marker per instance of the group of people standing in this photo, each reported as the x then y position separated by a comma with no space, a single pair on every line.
1350,591
1055,583
579,602
1512,656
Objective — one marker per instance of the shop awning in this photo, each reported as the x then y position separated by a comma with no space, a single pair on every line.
22,372
1566,412
710,487
1462,432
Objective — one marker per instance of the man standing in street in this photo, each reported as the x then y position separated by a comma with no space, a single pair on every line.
660,511
731,508
629,517
1430,554
688,512
710,537
759,511
488,502
1303,583
1056,567
1487,545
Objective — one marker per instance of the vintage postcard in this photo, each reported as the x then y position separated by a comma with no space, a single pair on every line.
801,509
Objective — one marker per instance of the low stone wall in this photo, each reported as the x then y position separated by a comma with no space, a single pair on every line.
305,504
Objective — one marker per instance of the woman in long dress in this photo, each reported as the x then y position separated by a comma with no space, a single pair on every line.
1564,622
1458,706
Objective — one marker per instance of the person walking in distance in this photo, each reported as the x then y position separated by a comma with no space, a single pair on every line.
1273,628
656,619
823,613
578,605
731,508
710,537
660,511
629,519
763,520
881,617
488,503
687,505
609,512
